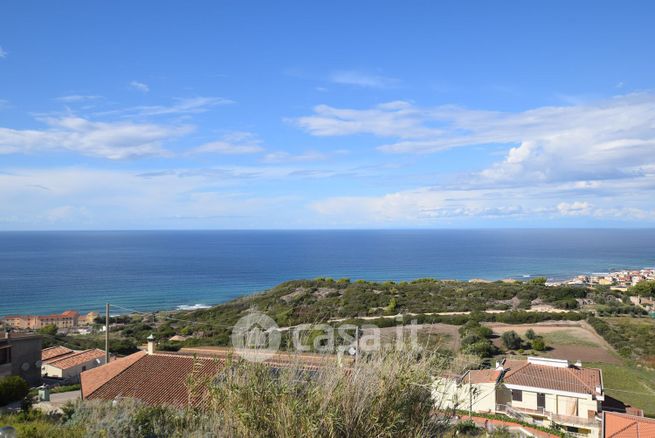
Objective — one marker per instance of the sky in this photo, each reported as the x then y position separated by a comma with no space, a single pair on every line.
339,114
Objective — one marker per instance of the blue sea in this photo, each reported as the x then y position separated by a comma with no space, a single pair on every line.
147,270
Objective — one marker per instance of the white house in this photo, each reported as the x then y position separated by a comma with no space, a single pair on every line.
67,364
543,391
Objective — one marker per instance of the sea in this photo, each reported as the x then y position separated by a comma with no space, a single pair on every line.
45,272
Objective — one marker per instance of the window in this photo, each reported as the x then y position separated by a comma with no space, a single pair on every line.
541,400
5,355
517,395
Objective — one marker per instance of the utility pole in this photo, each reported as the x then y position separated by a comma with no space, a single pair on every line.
107,333
470,395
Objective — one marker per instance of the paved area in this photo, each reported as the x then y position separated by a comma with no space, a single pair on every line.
58,400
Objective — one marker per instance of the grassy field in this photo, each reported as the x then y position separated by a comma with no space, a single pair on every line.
567,338
631,385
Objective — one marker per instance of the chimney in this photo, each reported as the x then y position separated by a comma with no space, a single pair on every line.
151,344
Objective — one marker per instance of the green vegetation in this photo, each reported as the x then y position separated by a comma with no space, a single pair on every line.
322,299
475,339
643,288
48,330
631,337
632,385
511,340
34,424
12,388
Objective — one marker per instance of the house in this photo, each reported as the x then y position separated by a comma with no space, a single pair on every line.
20,355
617,425
543,391
151,377
162,378
64,363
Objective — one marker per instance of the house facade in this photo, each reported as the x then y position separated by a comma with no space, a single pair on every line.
66,364
20,355
542,391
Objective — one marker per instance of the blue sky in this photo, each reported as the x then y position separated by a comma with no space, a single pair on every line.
341,114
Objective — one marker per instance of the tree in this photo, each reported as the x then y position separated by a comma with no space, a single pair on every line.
48,330
511,340
538,344
530,334
643,288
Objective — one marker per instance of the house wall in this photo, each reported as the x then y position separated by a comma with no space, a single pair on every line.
448,395
71,374
25,356
529,401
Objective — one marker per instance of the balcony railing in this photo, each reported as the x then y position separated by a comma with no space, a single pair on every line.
525,414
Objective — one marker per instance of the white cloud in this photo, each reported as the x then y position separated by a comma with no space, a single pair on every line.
393,119
139,86
235,143
3,53
101,198
574,208
180,106
113,140
361,79
431,206
77,98
285,157
612,138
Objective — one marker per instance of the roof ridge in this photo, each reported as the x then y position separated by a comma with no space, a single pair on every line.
73,354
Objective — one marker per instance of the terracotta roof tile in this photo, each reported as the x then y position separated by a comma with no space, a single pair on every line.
627,426
53,352
570,379
93,379
75,359
483,376
154,379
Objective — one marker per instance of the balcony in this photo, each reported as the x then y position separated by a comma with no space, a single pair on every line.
525,414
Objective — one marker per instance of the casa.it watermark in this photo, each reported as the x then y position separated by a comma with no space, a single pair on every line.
256,337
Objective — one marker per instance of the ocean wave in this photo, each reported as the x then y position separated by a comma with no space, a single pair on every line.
193,307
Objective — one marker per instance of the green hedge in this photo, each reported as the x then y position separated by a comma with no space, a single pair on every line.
12,388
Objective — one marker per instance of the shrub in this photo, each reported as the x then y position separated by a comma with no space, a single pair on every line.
538,344
530,334
12,388
511,340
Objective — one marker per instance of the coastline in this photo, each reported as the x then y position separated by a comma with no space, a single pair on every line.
618,280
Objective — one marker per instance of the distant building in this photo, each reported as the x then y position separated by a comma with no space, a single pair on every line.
65,320
20,355
64,363
540,391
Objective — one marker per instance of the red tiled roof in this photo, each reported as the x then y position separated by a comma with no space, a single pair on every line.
54,352
483,376
627,426
79,358
96,377
570,379
153,379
